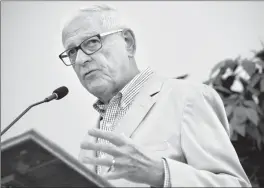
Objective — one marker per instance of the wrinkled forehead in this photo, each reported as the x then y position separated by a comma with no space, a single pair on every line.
82,25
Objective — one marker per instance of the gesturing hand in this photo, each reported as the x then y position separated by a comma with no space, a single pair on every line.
131,163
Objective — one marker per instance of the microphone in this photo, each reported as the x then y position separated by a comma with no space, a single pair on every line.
57,94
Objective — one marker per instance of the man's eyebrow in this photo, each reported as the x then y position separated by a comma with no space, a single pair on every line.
86,36
72,46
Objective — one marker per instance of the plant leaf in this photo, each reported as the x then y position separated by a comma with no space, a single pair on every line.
234,136
254,133
223,65
252,116
217,66
240,114
254,79
217,81
222,89
249,66
253,105
249,103
260,55
261,127
229,110
262,84
243,82
232,64
260,63
231,99
253,90
238,127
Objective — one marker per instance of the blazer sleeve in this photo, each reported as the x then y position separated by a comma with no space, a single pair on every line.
211,159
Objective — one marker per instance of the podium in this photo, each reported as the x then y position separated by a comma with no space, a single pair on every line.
30,160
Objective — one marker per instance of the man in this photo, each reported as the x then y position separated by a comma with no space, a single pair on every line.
152,131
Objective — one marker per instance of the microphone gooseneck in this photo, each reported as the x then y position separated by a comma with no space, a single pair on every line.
25,111
57,94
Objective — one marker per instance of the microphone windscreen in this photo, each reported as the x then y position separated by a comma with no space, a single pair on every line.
61,92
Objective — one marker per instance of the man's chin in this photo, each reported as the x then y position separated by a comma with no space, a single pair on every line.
96,87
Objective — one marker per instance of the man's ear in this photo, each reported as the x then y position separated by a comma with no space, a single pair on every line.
130,42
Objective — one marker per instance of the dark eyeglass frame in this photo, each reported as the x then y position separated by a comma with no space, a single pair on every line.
77,48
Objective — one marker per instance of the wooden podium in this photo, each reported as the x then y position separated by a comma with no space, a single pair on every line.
30,160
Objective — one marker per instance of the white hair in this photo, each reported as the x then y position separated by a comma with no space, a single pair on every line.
109,17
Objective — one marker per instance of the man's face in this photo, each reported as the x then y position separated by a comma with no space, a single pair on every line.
107,67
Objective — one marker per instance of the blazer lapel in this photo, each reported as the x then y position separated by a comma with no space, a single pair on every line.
140,107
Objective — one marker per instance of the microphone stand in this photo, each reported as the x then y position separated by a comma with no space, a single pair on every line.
57,94
25,111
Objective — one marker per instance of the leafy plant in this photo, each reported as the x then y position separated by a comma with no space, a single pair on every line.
240,84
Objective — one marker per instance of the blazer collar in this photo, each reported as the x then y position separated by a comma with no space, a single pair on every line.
142,103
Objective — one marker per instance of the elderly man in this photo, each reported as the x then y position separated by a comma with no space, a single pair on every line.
151,131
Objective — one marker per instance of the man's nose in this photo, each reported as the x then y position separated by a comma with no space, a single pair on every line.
81,58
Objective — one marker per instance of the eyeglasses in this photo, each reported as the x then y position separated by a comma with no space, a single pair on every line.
89,46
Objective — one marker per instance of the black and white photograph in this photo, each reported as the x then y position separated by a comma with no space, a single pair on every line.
132,94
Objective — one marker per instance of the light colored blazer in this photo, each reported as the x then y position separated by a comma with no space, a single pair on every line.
186,123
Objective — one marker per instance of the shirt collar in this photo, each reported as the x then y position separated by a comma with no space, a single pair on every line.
131,89
128,92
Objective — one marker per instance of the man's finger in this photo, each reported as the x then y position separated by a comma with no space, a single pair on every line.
110,136
106,148
97,161
126,139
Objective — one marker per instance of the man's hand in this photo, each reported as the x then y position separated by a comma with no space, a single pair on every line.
130,162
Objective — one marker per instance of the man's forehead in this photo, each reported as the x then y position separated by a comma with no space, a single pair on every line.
81,25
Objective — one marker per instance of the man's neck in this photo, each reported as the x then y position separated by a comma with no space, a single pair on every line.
105,98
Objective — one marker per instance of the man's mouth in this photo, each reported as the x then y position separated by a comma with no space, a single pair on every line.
89,73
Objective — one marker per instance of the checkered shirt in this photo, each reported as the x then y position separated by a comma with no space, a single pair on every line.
117,107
